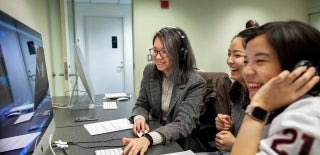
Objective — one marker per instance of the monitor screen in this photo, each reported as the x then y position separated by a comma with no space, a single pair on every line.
23,81
82,101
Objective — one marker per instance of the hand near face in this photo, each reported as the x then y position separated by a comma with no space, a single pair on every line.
135,146
140,125
224,140
223,122
285,88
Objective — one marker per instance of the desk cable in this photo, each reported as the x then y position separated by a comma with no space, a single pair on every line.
64,145
102,141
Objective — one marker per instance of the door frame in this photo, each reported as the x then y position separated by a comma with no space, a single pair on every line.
107,10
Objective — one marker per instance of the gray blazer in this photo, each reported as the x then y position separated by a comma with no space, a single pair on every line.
184,109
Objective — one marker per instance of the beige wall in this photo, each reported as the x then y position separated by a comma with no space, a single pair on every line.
209,24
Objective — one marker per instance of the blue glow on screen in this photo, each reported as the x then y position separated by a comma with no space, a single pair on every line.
2,33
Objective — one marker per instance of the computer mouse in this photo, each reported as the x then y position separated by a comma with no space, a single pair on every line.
122,99
16,113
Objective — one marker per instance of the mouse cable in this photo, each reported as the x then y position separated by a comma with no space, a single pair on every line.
87,147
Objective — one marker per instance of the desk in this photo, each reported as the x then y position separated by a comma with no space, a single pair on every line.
70,131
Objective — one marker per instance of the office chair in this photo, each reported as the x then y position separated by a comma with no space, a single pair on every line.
216,100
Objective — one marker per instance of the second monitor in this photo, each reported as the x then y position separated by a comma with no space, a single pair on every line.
87,100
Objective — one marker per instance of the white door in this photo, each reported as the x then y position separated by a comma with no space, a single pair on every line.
104,53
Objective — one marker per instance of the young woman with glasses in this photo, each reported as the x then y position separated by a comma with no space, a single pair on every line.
171,93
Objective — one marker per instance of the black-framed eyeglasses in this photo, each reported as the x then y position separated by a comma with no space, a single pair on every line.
155,52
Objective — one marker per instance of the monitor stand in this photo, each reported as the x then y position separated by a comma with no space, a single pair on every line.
80,102
77,102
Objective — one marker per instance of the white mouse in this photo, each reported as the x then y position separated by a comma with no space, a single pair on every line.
122,99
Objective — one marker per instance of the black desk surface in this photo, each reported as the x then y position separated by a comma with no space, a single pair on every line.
70,131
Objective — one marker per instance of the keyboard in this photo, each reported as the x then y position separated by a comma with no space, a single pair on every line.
110,105
115,95
115,151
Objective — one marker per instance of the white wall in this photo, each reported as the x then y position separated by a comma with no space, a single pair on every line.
209,24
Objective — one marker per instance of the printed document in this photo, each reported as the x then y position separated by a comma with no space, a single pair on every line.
108,126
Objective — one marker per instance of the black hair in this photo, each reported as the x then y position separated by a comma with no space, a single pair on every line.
251,25
293,41
171,37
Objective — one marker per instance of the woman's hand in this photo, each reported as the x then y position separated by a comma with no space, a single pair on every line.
285,88
135,146
140,126
224,140
223,122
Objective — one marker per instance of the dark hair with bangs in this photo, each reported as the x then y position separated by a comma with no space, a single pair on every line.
181,67
293,41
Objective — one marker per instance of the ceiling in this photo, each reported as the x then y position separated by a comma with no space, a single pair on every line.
105,1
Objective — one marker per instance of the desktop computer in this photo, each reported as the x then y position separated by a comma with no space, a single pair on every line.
26,115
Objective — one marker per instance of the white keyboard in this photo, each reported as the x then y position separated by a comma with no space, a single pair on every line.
110,105
115,95
116,151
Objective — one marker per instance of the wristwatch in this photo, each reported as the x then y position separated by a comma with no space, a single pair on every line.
257,113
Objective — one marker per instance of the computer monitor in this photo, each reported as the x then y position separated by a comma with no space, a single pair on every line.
87,100
23,81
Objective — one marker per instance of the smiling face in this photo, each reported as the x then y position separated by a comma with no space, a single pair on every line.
163,64
235,59
261,63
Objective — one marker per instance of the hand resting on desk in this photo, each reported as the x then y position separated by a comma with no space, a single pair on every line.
135,146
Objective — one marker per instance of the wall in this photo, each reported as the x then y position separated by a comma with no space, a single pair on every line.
209,24
314,13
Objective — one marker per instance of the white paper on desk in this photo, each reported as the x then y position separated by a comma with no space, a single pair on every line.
24,117
188,152
17,142
108,126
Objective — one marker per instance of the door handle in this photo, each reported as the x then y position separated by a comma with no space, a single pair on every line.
120,67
